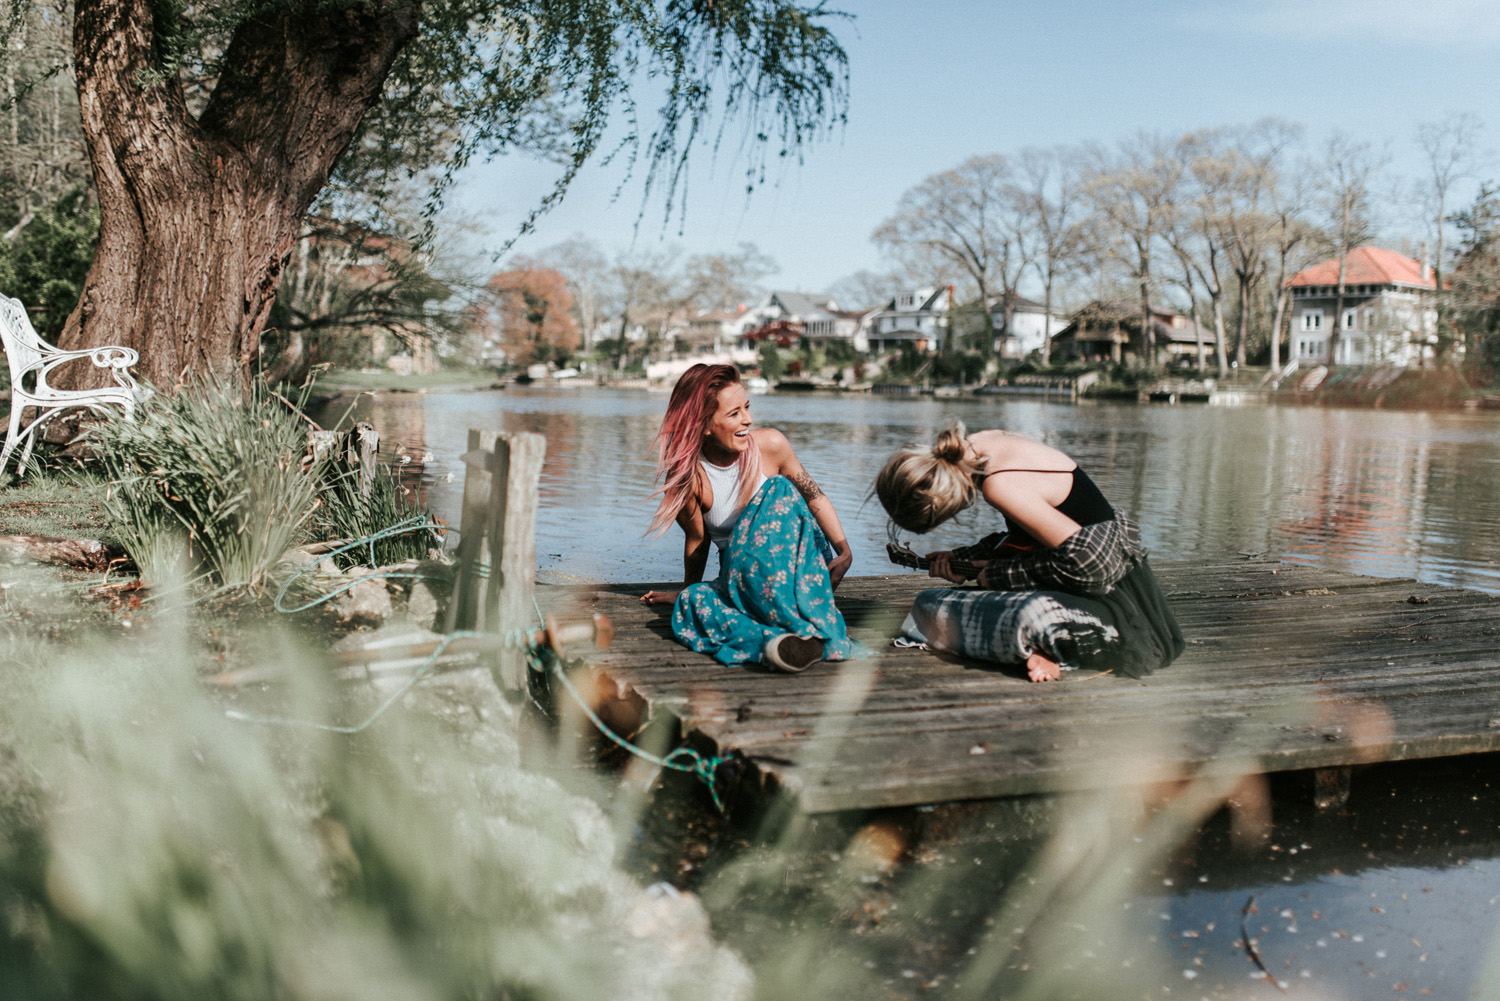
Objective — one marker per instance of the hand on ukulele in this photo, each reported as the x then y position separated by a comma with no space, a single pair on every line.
942,567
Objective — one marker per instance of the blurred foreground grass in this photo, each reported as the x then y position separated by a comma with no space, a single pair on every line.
150,847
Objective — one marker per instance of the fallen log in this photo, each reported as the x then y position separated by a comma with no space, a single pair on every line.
83,554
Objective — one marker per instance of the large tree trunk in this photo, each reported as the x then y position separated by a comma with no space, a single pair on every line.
198,216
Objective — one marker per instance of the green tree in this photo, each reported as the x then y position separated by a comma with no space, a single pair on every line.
44,266
212,127
772,365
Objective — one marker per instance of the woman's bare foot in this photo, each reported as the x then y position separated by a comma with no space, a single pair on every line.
1039,668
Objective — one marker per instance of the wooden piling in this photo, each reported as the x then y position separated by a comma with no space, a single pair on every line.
512,533
498,526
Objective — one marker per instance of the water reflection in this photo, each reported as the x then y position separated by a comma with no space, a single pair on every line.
1389,494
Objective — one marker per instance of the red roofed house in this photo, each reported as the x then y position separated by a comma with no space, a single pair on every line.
1389,315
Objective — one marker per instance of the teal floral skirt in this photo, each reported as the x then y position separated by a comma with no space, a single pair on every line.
773,579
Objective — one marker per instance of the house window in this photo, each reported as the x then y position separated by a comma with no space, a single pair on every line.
1312,319
1349,316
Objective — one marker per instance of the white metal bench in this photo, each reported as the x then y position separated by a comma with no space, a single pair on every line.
33,359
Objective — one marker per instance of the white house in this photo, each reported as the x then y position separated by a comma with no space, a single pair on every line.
1388,310
816,318
918,317
716,330
1030,324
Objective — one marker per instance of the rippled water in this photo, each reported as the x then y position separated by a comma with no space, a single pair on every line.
1376,492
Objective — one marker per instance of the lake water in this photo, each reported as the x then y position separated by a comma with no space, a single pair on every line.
1376,492
1397,896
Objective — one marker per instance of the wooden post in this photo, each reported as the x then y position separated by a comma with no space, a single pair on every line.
499,522
363,449
512,531
463,605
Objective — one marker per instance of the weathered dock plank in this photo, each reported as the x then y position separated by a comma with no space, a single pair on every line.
1288,666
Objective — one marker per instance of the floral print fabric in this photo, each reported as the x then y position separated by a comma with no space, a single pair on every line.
773,579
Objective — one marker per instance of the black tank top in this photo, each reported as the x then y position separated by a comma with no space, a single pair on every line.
1085,504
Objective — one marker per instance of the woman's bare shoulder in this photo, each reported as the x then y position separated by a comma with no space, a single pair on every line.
772,440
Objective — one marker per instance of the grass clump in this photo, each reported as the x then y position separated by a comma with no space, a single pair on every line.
208,478
355,507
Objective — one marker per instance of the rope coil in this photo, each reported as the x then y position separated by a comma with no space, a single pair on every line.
539,657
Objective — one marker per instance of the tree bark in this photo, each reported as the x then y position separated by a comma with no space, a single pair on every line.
1242,333
198,216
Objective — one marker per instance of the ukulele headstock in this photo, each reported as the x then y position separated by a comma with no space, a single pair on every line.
904,557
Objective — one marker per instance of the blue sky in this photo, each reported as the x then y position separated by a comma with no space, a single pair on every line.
932,84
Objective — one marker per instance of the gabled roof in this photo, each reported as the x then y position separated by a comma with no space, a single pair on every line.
720,315
927,304
1116,319
1366,266
1021,304
800,303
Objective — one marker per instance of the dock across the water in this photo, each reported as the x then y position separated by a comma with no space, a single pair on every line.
1288,667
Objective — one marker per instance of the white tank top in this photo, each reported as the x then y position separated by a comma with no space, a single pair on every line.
725,482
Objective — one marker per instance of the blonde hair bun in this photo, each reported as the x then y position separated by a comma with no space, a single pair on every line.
951,444
920,488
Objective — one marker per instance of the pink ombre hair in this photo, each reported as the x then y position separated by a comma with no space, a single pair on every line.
695,400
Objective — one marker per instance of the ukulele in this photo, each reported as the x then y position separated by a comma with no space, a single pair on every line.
1002,548
904,557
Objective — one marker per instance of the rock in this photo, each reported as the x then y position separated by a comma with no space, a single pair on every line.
675,919
422,605
367,603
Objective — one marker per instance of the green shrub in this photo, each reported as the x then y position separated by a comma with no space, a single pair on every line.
346,513
46,264
209,478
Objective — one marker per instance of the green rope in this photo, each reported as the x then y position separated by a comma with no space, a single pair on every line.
414,524
692,761
406,686
538,656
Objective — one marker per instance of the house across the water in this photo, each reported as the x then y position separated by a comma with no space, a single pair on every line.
1388,312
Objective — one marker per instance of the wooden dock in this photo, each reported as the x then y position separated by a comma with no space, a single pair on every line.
1288,667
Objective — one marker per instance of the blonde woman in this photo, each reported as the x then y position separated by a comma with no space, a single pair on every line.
1067,585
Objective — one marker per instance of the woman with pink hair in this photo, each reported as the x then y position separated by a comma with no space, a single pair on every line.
781,548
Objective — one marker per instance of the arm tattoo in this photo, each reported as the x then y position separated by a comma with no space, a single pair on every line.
807,485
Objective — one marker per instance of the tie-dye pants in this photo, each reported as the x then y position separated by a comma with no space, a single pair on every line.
1008,626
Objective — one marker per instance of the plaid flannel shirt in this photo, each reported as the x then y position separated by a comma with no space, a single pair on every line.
1090,562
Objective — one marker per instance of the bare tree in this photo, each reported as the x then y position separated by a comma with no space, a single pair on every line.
645,290
1291,239
1052,197
1350,168
1131,190
1448,147
1192,231
587,269
865,288
959,216
712,281
1240,175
